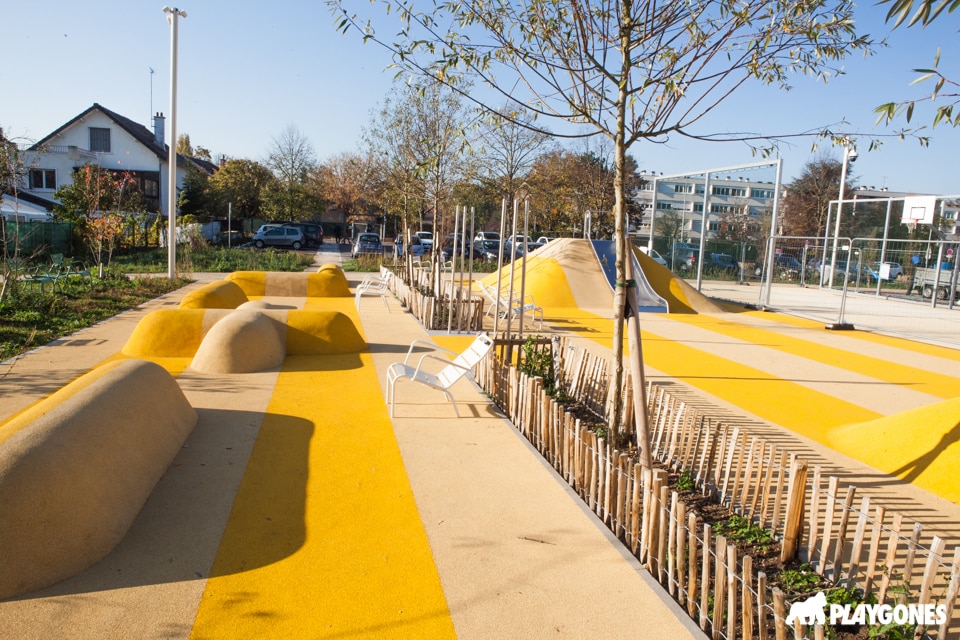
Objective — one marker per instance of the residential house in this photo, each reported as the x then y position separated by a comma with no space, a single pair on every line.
105,138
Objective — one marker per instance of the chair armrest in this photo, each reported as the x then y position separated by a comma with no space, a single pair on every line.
430,356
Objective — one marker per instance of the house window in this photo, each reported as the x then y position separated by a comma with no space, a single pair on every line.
714,225
683,188
762,194
100,139
43,179
151,188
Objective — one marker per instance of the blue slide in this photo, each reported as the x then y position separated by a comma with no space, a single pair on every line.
649,301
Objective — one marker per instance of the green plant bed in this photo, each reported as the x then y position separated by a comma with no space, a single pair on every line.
363,263
30,318
213,260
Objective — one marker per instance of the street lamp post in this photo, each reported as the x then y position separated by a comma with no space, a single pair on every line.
173,14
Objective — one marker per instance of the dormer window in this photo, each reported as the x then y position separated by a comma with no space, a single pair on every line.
100,139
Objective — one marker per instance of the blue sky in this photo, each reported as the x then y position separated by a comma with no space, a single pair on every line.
248,70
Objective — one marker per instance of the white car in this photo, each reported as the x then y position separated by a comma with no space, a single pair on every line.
653,254
426,239
484,236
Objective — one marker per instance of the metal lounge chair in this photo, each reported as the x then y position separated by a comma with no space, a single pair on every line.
502,303
461,366
376,285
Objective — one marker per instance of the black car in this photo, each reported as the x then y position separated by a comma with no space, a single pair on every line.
313,232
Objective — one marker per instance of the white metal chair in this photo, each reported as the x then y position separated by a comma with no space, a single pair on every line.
375,285
502,303
461,366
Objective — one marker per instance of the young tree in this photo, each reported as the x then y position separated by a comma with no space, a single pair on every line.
13,174
507,148
421,138
291,158
99,203
351,182
807,198
629,69
241,183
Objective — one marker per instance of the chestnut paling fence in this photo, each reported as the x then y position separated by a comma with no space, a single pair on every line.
435,299
850,542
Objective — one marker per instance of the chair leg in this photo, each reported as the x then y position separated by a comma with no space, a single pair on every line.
452,401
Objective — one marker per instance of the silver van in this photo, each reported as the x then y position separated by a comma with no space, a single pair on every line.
279,236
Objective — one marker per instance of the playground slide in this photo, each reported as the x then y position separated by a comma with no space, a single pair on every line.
649,301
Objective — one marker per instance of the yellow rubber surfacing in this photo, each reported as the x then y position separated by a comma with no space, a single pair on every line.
324,539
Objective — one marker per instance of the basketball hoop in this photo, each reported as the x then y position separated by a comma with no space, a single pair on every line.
912,226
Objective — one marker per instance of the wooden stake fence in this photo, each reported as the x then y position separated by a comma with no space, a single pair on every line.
848,544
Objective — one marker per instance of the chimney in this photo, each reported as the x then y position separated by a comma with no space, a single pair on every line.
158,127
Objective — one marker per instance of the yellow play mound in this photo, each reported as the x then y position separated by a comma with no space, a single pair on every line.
565,273
76,469
921,446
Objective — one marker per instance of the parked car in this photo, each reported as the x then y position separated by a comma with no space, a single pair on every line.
446,252
279,236
684,256
426,238
416,248
653,254
542,240
313,232
722,263
367,243
484,236
784,268
534,245
516,245
894,270
841,266
491,250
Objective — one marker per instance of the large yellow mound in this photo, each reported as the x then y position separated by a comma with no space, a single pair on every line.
921,446
565,273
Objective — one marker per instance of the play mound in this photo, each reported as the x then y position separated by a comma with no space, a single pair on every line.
76,469
242,340
921,446
565,273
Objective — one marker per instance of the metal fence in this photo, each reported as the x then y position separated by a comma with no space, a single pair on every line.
905,287
27,238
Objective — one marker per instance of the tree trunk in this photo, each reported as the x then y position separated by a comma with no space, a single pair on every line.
620,229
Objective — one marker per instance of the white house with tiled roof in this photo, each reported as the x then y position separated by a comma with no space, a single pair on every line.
102,137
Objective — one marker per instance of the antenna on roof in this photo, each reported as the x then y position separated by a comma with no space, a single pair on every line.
151,93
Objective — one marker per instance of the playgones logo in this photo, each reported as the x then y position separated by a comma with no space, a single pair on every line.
810,611
813,611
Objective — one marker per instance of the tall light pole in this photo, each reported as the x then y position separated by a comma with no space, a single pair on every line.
173,14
